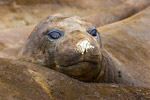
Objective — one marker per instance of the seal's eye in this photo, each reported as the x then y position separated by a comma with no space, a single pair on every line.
92,31
54,34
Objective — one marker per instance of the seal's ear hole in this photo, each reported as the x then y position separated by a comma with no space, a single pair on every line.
54,34
93,31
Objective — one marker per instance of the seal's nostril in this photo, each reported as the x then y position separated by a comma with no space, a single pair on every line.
83,46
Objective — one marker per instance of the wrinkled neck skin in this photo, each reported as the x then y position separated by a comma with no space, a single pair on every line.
108,73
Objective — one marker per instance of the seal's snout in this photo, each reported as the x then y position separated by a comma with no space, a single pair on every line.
78,55
84,46
76,47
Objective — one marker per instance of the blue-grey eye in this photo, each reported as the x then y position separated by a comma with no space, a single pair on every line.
54,34
92,31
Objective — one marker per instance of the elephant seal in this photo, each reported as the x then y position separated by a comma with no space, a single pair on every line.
26,81
73,46
67,44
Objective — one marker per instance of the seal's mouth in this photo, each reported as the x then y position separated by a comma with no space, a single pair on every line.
84,70
85,63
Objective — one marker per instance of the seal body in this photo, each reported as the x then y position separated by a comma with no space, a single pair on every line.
127,49
72,46
18,78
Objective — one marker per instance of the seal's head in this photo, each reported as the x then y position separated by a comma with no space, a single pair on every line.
67,44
